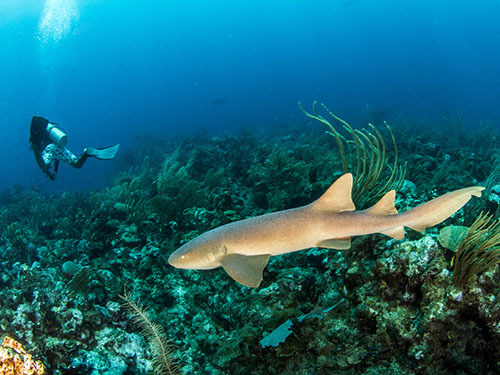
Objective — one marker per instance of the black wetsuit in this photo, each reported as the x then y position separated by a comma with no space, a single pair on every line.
40,139
38,132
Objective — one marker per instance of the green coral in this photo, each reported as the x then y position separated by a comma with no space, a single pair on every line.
478,250
367,159
279,180
451,236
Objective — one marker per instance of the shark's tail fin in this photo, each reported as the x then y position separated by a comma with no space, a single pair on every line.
439,209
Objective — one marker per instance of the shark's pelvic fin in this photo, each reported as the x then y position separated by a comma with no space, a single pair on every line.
245,269
397,233
336,243
338,196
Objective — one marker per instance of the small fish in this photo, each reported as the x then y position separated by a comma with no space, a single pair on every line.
243,247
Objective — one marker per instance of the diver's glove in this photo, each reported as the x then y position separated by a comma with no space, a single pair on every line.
102,153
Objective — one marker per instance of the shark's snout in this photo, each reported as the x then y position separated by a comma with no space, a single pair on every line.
187,257
196,254
177,260
172,260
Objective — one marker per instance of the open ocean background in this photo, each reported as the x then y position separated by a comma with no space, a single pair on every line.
108,71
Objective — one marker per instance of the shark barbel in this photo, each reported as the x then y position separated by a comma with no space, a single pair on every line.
243,247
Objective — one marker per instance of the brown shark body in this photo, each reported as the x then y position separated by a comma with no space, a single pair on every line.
243,248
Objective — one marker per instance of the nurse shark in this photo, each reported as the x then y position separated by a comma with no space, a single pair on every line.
243,248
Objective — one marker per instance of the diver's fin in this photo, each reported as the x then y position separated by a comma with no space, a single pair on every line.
246,270
102,153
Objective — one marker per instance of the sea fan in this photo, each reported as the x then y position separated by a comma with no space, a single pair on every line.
478,251
163,361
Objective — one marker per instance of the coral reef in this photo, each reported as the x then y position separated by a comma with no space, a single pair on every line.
65,259
15,361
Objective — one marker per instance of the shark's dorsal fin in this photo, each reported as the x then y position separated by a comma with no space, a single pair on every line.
338,196
385,206
246,270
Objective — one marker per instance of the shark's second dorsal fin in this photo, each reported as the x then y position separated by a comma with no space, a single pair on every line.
338,196
385,206
246,270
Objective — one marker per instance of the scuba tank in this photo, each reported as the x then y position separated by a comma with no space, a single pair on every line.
57,135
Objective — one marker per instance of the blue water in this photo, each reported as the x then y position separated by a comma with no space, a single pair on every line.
107,71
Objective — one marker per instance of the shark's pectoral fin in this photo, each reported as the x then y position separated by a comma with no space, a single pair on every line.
246,270
397,233
336,243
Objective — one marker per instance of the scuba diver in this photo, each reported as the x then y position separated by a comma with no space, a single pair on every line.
48,142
